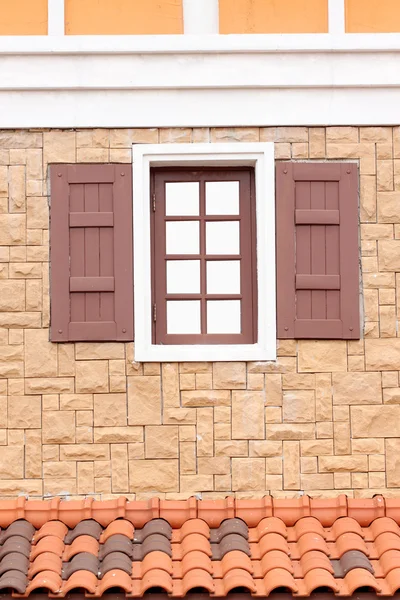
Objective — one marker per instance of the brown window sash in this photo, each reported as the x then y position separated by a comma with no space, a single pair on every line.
246,256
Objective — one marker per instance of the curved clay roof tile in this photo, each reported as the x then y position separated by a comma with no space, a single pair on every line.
87,527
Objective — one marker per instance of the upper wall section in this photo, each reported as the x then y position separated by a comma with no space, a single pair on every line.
273,16
154,17
23,17
125,17
372,16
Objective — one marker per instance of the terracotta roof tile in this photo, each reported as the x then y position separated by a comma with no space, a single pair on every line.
221,546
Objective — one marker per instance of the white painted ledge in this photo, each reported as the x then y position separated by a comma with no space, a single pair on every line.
199,81
198,44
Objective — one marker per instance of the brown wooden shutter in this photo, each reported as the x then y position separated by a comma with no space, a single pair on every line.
317,250
91,253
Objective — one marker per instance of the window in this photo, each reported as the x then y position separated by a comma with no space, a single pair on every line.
203,252
204,256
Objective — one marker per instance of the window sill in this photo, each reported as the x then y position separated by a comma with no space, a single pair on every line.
226,353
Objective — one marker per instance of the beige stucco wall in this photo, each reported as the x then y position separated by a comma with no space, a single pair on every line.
82,418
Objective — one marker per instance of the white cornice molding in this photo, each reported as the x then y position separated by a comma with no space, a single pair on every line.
200,44
199,81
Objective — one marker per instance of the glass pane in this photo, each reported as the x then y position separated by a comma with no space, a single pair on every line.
223,237
223,277
222,197
183,277
182,237
223,316
182,198
183,316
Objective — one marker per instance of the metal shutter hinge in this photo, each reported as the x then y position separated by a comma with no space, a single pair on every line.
154,312
154,202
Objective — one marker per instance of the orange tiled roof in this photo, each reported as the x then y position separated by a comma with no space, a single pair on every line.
219,546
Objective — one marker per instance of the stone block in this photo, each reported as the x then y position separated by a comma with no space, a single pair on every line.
76,401
153,476
367,198
316,447
290,431
391,395
119,468
389,255
341,437
214,466
388,207
357,388
91,376
316,142
195,484
248,474
11,361
322,356
318,481
384,179
273,414
231,448
85,452
66,360
323,397
170,384
375,421
205,432
12,295
265,449
309,464
255,381
99,351
12,229
144,400
229,375
387,321
110,410
24,412
161,441
17,191
298,382
274,466
115,435
59,470
58,427
273,390
299,406
187,458
59,147
12,462
291,465
382,354
40,354
340,464
376,134
342,135
206,398
234,134
248,415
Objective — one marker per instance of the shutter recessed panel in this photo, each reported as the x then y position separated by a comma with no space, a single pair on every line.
91,253
317,251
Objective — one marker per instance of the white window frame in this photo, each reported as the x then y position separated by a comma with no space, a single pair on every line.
261,157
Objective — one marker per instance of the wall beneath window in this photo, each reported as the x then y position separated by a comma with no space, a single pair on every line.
79,419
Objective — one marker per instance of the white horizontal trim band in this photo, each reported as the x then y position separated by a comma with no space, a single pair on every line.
200,108
210,71
175,44
135,86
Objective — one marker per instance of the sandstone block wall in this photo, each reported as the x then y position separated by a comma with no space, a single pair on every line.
79,419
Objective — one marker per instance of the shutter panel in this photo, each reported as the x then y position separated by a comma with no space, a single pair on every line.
317,250
91,253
